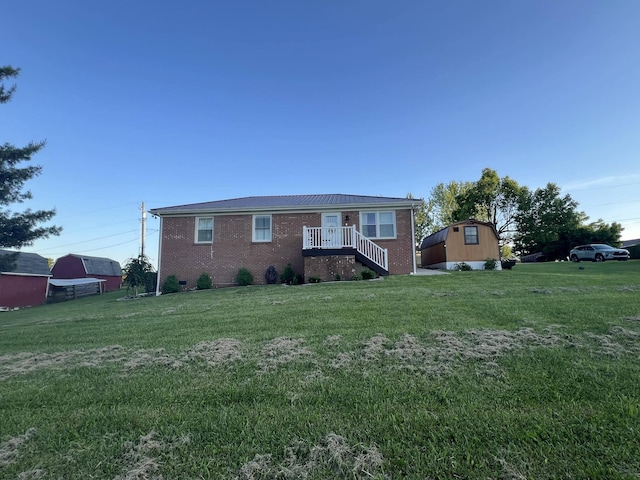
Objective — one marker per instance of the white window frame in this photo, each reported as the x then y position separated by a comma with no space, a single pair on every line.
377,223
254,230
197,228
468,236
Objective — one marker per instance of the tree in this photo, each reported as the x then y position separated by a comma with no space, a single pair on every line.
139,273
19,229
491,199
548,223
420,220
438,209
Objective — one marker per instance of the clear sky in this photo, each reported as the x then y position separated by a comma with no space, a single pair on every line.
172,102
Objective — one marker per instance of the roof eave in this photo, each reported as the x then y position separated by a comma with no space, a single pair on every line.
276,209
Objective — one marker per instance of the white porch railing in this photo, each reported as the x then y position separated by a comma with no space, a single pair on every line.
344,237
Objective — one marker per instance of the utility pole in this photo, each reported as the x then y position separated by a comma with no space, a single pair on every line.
144,229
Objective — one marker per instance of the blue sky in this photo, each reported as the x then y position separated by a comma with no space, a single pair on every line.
183,102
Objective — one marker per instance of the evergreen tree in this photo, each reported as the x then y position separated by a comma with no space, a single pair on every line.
18,229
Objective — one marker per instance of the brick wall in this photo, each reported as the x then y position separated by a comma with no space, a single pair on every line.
232,247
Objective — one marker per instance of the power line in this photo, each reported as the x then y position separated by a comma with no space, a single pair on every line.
88,241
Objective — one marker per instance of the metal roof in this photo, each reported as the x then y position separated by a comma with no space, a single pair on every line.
287,202
68,282
28,263
100,266
435,238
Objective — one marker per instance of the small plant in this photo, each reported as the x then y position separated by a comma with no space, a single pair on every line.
288,275
171,285
490,264
463,267
368,274
204,282
244,277
315,279
357,277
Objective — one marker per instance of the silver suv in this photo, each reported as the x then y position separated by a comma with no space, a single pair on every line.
598,252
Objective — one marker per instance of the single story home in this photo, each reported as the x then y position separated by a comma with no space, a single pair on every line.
469,241
24,282
83,266
327,236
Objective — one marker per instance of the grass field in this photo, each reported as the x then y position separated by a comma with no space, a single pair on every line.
530,373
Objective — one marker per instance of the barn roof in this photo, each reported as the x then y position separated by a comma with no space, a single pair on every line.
435,238
100,266
27,263
288,202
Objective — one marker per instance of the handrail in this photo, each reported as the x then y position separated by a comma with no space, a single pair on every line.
344,237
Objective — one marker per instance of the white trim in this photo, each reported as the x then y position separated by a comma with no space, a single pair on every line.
25,274
197,230
377,214
413,243
253,228
159,260
475,265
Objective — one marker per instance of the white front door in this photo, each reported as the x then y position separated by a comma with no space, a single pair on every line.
331,234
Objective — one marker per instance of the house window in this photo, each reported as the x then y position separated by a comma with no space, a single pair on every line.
204,229
262,228
471,236
378,224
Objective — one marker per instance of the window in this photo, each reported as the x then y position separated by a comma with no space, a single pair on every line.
204,229
378,224
262,228
471,236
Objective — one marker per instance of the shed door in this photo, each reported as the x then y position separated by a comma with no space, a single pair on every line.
331,230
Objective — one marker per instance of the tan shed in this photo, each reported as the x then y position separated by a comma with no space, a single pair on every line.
470,241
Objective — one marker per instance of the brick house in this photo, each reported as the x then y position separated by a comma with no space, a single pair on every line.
319,235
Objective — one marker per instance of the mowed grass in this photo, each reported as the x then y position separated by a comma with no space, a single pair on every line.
529,373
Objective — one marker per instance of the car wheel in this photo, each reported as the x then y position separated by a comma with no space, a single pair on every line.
599,257
574,258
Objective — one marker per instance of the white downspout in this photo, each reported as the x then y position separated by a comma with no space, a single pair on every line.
413,241
158,293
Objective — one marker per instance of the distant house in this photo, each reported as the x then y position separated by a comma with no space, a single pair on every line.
25,283
325,236
470,241
83,266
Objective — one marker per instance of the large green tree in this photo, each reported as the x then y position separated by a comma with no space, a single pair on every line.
491,199
551,223
18,229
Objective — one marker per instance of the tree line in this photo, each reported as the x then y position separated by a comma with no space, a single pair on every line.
527,221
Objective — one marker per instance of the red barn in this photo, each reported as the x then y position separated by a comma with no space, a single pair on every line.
82,266
24,279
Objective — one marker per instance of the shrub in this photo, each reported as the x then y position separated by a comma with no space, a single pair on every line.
490,264
356,277
171,285
288,275
463,267
244,277
204,282
315,279
368,274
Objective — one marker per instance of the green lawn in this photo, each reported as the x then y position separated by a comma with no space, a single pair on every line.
530,373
